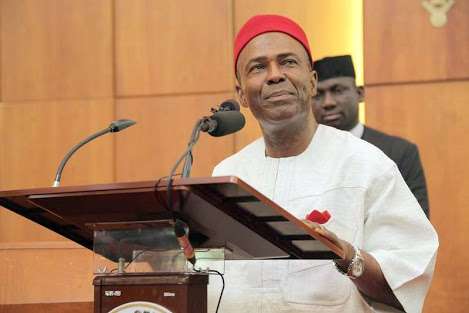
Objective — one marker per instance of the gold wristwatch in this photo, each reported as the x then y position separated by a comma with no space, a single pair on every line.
356,266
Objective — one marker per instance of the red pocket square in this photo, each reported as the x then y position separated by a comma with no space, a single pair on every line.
318,217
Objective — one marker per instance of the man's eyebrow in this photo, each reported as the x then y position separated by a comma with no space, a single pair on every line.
327,88
332,87
288,54
262,59
259,59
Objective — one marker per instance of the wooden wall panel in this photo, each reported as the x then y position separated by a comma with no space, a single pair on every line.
35,136
301,11
45,274
401,44
1,45
173,47
71,307
150,149
402,52
15,228
332,27
54,49
436,117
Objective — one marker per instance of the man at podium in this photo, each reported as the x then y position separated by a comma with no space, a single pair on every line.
390,245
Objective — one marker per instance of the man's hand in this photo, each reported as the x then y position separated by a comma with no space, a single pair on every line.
372,283
349,251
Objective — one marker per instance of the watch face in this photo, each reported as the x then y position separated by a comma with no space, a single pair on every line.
358,267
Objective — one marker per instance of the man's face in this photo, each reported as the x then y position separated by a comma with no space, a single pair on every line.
275,80
336,102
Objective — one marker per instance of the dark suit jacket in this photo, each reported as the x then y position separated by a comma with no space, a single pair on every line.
406,155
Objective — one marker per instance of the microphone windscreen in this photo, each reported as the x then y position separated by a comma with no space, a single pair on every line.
229,105
228,122
120,125
180,228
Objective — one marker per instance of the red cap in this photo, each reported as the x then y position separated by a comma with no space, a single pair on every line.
261,24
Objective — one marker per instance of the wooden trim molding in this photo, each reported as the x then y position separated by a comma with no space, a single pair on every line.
32,245
69,307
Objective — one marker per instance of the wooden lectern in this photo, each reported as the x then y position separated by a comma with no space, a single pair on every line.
220,211
173,292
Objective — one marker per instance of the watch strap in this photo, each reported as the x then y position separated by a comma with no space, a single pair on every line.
357,257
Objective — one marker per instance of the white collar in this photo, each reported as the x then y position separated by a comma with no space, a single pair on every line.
358,130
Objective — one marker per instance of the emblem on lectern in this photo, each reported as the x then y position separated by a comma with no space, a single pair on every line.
112,293
140,307
438,10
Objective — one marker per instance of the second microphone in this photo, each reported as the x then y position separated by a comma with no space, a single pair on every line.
226,120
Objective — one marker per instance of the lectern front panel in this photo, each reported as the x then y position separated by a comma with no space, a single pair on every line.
159,293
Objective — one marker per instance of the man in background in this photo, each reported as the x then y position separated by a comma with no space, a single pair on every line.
336,105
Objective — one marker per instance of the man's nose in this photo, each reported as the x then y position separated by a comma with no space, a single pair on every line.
329,100
275,74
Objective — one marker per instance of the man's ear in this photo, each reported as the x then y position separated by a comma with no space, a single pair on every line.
241,96
314,82
361,93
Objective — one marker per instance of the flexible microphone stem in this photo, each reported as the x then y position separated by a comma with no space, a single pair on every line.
112,128
64,161
186,169
221,123
187,157
226,120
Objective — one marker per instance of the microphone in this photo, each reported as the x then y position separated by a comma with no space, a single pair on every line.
120,125
227,119
229,105
183,239
114,127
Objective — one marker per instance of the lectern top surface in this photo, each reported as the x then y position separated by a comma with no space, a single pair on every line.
222,211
